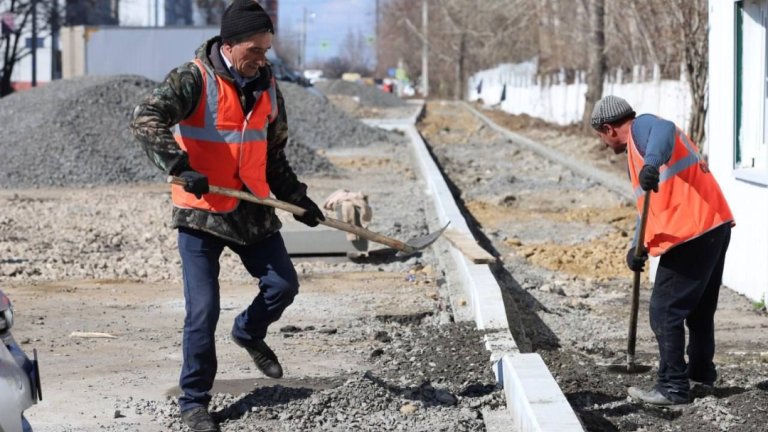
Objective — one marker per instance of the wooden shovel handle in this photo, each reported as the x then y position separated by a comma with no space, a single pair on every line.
298,211
632,337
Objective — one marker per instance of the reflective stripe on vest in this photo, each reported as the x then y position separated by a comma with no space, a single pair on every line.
667,171
689,202
225,144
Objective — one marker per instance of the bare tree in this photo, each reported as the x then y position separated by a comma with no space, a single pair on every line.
335,67
691,17
596,71
20,13
286,46
396,41
460,43
356,51
470,35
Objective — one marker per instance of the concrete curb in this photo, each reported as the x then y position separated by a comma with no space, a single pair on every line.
533,397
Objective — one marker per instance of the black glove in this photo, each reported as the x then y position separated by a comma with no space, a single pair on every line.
634,263
196,183
313,215
649,178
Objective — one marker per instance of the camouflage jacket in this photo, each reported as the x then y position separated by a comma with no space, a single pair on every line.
174,100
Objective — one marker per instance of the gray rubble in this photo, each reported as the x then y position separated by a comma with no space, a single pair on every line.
75,133
367,95
429,378
321,125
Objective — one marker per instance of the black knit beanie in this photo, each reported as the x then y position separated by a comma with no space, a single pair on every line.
243,18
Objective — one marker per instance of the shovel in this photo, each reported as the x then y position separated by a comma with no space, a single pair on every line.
631,367
413,245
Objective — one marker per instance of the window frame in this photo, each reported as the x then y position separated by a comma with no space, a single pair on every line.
751,174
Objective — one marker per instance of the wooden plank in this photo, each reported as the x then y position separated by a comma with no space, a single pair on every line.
469,247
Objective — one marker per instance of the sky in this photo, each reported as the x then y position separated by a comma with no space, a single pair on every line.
328,21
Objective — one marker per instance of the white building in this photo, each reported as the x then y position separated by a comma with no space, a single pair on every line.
738,132
143,13
22,70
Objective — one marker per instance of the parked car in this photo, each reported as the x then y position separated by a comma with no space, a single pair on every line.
314,75
283,72
19,376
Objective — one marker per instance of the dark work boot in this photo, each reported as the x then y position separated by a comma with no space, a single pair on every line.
264,358
701,389
199,420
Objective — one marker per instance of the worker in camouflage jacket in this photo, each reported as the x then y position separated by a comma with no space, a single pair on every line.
220,120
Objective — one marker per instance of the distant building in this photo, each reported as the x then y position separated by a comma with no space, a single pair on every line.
178,13
91,12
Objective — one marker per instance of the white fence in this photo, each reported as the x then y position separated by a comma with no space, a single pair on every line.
516,89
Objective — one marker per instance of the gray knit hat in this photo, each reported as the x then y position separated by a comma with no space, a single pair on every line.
610,109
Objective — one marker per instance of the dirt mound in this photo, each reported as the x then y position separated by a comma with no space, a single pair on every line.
522,122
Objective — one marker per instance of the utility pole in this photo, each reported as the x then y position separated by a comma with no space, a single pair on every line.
424,49
460,84
596,60
303,42
377,35
157,13
55,69
34,43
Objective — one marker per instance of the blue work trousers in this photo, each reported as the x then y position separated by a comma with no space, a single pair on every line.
268,261
685,292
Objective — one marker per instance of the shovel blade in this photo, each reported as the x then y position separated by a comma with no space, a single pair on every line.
416,244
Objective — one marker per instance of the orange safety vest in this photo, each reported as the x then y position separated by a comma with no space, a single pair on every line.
224,143
689,202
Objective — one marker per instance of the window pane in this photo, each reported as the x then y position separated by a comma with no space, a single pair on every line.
752,85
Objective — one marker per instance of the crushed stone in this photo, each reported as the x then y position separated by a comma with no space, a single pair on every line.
429,378
367,95
75,132
319,124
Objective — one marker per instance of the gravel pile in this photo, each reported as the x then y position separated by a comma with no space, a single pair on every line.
430,378
368,95
75,133
316,122
305,160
